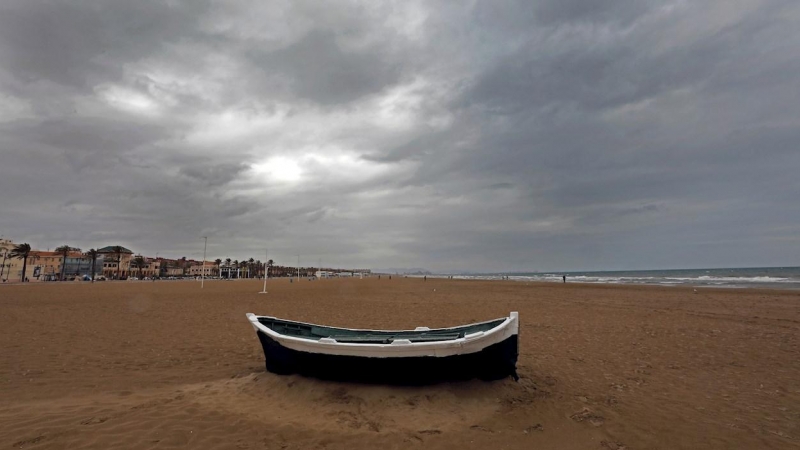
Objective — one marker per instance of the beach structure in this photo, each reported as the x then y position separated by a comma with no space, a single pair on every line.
229,272
198,269
486,350
80,265
116,261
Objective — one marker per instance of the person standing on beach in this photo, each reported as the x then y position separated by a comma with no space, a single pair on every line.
564,277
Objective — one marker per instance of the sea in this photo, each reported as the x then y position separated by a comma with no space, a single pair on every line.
745,277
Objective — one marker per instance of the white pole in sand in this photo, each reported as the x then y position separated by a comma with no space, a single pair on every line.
203,272
266,272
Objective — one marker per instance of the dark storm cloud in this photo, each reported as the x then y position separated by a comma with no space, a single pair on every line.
502,135
213,173
78,43
601,11
317,68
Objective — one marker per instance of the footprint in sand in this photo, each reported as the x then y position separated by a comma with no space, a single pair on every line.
537,427
429,432
587,415
28,441
94,420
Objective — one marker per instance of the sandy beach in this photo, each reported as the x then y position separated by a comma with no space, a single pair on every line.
168,365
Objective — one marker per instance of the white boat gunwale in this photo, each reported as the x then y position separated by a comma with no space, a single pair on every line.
471,343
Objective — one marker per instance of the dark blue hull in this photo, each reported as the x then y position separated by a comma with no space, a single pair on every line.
492,363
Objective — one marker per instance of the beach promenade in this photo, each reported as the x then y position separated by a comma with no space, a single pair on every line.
168,365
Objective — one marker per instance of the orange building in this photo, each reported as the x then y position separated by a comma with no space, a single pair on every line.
41,266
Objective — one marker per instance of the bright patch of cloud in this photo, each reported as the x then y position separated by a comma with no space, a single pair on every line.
278,169
127,99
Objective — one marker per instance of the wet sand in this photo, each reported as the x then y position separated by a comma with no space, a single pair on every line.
167,365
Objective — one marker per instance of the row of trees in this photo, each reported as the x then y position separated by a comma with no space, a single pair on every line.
253,268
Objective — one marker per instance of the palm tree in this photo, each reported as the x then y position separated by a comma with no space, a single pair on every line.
269,266
258,267
163,267
64,251
118,251
183,265
217,262
139,263
92,253
21,251
250,263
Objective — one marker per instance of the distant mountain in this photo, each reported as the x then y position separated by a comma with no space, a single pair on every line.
403,271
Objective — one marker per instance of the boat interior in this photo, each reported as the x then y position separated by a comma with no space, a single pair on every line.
345,335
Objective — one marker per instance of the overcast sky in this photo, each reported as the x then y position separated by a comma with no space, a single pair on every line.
474,135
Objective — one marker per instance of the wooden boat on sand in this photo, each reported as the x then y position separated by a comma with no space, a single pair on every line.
486,350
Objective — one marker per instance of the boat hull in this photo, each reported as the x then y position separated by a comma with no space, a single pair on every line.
493,362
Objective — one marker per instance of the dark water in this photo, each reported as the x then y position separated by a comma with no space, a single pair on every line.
764,277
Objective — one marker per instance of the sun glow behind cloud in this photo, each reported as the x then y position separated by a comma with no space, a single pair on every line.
332,167
278,169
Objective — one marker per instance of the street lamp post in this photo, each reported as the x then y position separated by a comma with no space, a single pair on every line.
266,271
203,272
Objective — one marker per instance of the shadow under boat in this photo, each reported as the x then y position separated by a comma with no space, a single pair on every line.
485,350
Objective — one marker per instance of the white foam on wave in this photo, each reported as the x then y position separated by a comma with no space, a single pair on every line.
738,278
710,280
